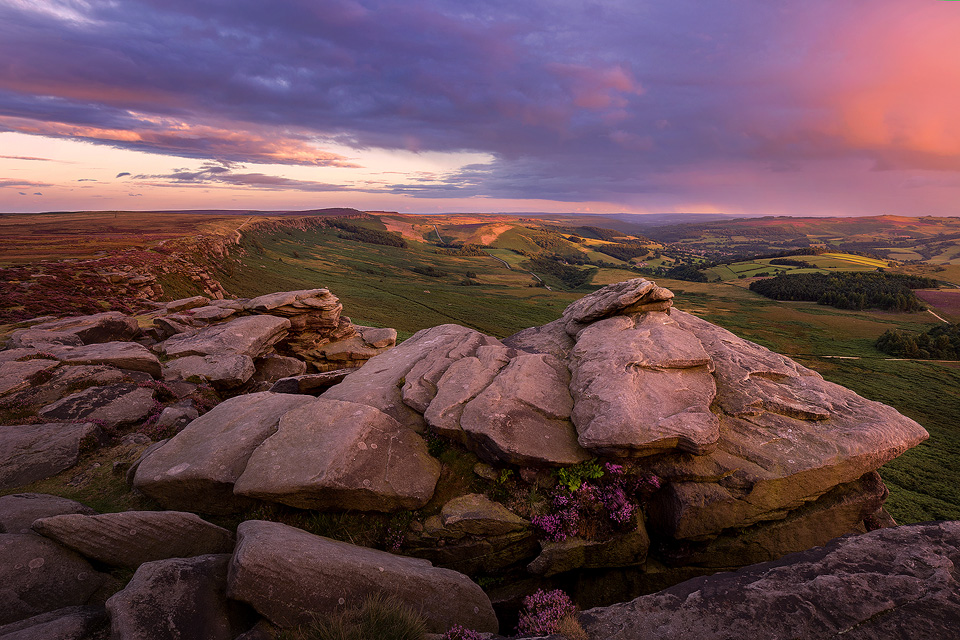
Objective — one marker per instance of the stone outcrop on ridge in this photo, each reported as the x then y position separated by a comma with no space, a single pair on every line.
750,455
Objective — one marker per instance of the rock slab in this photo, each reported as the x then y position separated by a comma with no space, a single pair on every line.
901,582
130,538
178,599
287,575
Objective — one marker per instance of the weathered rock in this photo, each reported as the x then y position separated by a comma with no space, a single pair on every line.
9,355
65,381
341,352
19,510
551,338
479,555
115,405
69,623
37,575
522,417
273,367
379,337
308,309
196,469
460,383
476,514
287,574
41,339
769,464
184,304
182,599
31,452
222,372
333,454
176,417
109,326
130,538
404,378
122,355
641,387
621,298
838,512
210,313
311,382
14,375
167,327
251,336
624,550
884,585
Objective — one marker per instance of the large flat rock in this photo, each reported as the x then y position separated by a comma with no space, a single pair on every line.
288,575
30,452
122,355
889,584
130,538
114,405
221,371
330,454
251,336
109,326
196,469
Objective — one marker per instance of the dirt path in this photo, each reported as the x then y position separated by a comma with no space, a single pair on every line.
930,311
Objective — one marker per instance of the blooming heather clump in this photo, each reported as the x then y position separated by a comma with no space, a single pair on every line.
456,632
595,509
543,612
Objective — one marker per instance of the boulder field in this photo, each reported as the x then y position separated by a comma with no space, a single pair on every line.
621,449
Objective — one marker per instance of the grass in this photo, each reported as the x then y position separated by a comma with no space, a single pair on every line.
381,617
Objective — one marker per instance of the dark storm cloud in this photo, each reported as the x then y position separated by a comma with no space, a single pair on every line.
574,100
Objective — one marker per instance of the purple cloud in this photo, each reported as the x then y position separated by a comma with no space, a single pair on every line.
616,101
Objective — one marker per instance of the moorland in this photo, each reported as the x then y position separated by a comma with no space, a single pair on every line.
501,273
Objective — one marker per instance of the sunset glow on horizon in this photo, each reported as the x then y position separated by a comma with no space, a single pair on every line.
753,108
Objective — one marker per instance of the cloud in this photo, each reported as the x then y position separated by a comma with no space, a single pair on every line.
29,158
86,180
123,173
22,183
619,101
223,174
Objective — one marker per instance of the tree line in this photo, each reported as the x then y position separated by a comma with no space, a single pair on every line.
939,343
848,290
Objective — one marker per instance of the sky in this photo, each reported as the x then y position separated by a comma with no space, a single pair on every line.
748,107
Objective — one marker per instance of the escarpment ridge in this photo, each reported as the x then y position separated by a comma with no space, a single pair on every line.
624,447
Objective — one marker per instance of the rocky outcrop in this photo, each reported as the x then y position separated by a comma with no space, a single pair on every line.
888,584
130,538
287,575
